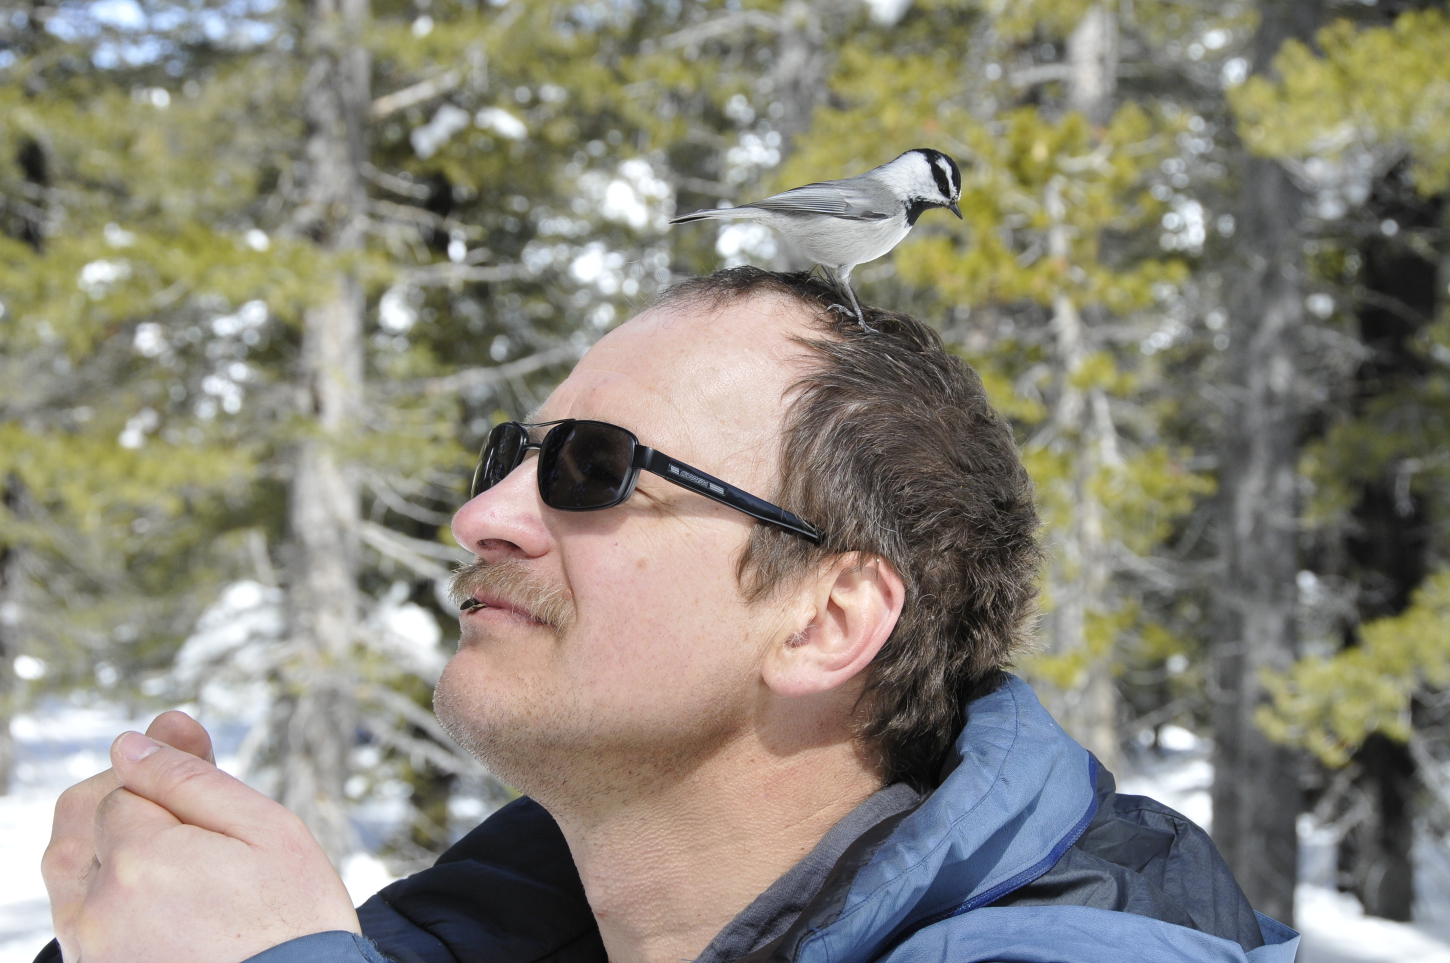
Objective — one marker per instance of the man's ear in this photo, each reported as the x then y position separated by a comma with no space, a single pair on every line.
847,614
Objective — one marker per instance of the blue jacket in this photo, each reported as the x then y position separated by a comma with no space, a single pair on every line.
1024,853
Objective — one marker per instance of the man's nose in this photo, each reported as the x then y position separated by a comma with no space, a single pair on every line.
506,520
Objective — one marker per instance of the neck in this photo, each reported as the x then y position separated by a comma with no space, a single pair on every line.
666,870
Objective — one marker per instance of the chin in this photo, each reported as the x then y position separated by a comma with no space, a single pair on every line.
477,721
546,739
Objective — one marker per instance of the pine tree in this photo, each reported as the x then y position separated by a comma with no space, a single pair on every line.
1256,790
1359,122
262,296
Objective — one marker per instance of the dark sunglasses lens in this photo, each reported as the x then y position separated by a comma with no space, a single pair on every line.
500,455
584,465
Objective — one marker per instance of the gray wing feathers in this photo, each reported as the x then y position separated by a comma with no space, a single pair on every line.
843,199
848,199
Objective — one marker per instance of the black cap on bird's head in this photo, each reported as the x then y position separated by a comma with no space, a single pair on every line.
946,177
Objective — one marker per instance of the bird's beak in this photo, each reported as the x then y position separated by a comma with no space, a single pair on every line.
955,210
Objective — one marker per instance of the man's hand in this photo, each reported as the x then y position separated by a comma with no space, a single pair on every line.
191,865
71,856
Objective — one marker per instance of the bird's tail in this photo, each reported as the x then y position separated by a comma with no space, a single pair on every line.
722,212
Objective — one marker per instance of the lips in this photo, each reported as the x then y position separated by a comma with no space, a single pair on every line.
477,603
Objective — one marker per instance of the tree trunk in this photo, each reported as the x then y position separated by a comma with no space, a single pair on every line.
1080,575
1375,853
10,615
798,81
798,74
1388,540
1092,56
315,719
1256,792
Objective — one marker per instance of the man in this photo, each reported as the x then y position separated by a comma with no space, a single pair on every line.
750,678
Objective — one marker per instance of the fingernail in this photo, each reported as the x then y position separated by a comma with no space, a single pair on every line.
134,747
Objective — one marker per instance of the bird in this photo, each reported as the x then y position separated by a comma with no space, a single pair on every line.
840,224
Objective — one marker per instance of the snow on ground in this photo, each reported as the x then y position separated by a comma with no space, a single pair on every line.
65,742
1333,924
1337,931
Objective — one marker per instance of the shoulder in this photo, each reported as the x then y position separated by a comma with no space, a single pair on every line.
1141,858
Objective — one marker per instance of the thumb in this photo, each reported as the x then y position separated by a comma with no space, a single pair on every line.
193,790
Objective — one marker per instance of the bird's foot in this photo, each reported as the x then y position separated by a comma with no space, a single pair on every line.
853,313
856,309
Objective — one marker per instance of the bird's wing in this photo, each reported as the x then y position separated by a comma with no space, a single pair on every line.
847,199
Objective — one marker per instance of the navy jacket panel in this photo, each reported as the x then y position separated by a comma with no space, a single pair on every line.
1139,856
507,892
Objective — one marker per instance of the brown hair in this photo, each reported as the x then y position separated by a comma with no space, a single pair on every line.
891,448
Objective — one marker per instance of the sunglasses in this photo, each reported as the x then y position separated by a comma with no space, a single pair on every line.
587,466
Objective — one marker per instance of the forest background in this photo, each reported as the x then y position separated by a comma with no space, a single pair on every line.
270,269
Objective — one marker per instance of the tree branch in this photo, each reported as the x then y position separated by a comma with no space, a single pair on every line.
1040,74
450,273
390,497
398,185
719,26
415,553
416,94
476,379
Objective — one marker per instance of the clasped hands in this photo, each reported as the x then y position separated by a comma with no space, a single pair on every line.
164,858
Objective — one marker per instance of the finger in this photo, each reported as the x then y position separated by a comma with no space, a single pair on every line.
72,835
181,731
68,860
125,818
75,810
195,791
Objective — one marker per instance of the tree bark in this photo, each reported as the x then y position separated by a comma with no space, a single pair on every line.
1092,57
798,81
1080,575
315,719
10,615
798,74
1256,791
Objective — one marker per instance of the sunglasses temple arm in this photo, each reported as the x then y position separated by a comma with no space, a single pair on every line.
726,494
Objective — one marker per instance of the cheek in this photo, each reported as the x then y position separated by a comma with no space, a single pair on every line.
665,617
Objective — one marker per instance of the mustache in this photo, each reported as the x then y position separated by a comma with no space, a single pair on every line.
514,582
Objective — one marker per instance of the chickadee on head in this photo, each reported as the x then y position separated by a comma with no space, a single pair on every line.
923,178
840,224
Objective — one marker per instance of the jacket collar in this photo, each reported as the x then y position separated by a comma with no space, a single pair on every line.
1020,794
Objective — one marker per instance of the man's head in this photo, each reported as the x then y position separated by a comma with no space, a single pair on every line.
678,624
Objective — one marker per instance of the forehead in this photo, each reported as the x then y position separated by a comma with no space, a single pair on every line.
708,382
